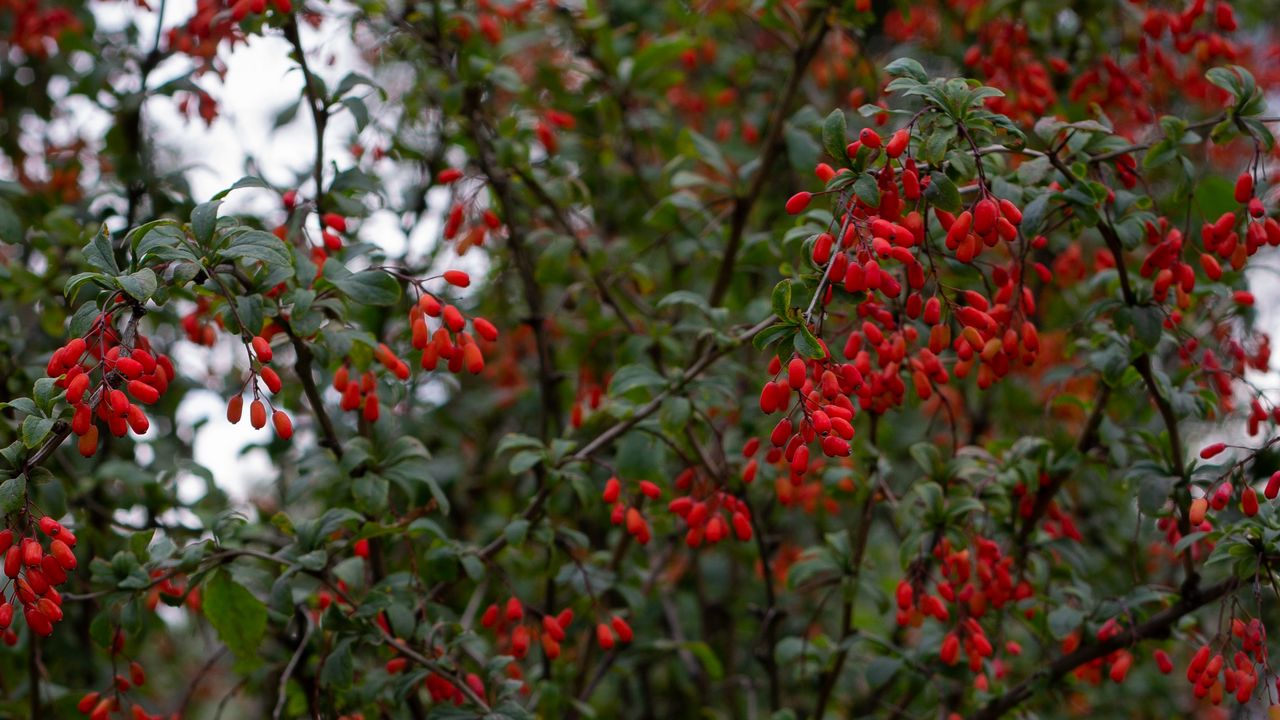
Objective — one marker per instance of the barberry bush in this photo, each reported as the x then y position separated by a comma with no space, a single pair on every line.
789,359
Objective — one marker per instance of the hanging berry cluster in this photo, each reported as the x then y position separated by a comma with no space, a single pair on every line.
704,507
125,377
515,635
449,341
100,705
258,348
883,236
466,214
630,514
35,575
968,587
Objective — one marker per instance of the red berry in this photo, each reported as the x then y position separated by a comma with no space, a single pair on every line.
257,415
334,221
282,423
235,408
1212,450
1244,187
798,202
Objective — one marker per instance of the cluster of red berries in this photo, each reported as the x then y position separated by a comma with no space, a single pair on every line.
1057,524
822,388
35,575
630,513
215,22
992,333
442,690
1134,87
100,705
969,586
125,377
198,326
973,584
1006,59
259,350
241,9
172,587
489,18
361,395
449,341
515,636
476,231
1213,676
704,508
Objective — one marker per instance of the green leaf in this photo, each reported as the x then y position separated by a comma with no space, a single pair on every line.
772,334
10,225
338,670
35,429
802,149
1153,492
239,618
359,111
140,285
258,245
1064,620
781,299
523,460
204,219
247,181
632,377
867,189
12,492
943,193
99,253
517,441
807,345
370,492
835,130
907,67
516,531
367,287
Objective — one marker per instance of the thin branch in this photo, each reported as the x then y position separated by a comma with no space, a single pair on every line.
1158,625
815,30
282,695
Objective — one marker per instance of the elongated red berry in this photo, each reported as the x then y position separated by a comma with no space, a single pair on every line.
282,423
1273,486
604,636
257,415
484,329
235,408
262,349
796,372
334,221
1212,450
621,627
612,489
1244,187
798,202
457,278
1249,502
897,143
